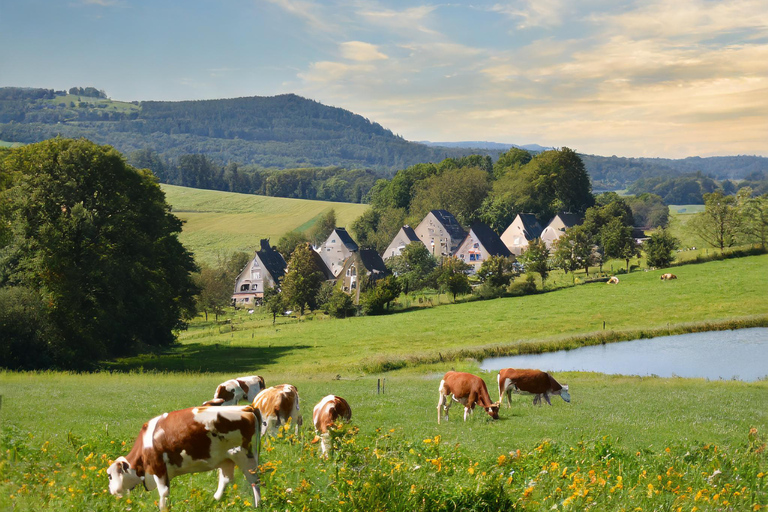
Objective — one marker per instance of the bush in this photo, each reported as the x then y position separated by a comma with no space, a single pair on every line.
27,341
527,287
488,290
340,305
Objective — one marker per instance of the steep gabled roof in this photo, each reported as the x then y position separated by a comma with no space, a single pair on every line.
569,219
345,239
320,264
530,225
489,240
373,262
450,224
410,233
272,260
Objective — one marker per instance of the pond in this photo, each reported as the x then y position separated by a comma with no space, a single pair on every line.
740,354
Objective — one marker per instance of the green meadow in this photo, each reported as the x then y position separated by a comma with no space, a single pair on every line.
220,223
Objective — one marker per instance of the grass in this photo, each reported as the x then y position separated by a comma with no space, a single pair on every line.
219,223
109,105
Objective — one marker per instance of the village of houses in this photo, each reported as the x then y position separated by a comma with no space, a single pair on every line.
340,259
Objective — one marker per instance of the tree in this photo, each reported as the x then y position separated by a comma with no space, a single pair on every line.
452,276
660,248
460,191
215,290
323,227
573,250
511,160
618,242
649,211
573,188
413,266
302,281
497,271
97,239
289,242
379,296
340,304
536,259
273,302
753,213
718,224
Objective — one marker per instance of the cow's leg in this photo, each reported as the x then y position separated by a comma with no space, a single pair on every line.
440,405
270,425
325,442
470,405
249,465
509,397
546,397
537,399
163,490
226,474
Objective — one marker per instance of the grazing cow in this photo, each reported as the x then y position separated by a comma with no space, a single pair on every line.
234,390
277,404
325,414
468,390
190,441
613,280
667,277
530,382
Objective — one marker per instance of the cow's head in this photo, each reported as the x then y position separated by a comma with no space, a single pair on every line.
493,410
564,394
122,477
215,401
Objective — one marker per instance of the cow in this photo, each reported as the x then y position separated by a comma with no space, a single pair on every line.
667,277
190,441
277,404
529,382
613,280
324,415
234,390
468,390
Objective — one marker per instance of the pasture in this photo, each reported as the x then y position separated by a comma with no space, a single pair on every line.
220,223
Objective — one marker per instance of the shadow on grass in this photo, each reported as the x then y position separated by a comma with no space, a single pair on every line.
197,357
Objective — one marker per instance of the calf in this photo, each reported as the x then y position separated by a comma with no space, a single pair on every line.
530,382
613,280
277,404
325,414
234,390
667,277
468,390
190,441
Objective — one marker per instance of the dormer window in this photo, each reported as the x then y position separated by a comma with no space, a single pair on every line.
243,287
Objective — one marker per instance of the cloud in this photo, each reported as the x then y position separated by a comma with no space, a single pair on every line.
411,21
312,13
360,51
534,13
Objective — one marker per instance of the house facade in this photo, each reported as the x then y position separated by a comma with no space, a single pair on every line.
522,230
405,236
336,249
362,269
481,243
440,232
557,227
266,269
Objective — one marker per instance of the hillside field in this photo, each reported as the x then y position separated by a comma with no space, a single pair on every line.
220,223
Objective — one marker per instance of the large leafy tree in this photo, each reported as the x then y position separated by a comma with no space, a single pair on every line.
718,224
573,250
451,276
302,281
497,271
618,242
96,239
413,266
323,227
459,190
660,248
753,213
536,259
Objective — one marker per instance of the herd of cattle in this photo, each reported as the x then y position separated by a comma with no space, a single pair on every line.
219,434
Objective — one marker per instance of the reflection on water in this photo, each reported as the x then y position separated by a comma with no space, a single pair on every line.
741,354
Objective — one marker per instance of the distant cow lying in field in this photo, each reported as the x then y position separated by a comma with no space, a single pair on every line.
667,277
277,404
468,390
234,390
325,414
190,441
530,382
613,280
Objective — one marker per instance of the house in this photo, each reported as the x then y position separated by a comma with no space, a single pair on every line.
480,243
362,269
440,232
557,226
523,229
405,236
266,269
336,249
320,264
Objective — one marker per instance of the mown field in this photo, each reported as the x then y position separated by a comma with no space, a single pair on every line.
220,223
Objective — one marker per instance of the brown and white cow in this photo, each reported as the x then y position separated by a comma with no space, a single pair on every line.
667,277
190,441
234,390
613,280
277,404
530,382
468,390
325,414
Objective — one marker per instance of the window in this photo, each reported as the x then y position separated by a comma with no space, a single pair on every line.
473,257
333,241
477,246
254,286
349,272
243,287
257,275
255,264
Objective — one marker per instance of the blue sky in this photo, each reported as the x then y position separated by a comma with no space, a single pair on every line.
668,78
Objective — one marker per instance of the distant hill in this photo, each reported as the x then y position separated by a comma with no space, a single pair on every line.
280,132
493,146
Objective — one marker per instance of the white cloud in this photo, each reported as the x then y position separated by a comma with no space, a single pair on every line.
534,13
361,51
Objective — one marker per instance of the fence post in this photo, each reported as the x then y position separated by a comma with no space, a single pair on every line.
383,384
378,386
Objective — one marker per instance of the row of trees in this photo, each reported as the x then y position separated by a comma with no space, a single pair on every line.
732,220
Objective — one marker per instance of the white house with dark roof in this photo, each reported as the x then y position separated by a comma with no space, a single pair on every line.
266,269
336,249
440,232
557,227
522,230
363,268
405,236
481,243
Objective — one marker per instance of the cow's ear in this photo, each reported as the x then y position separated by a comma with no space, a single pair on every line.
123,467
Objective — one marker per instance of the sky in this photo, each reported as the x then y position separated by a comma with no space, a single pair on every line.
653,78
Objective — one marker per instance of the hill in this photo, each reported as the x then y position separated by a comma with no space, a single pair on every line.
281,131
219,223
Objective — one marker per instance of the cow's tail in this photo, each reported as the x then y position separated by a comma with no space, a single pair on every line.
257,433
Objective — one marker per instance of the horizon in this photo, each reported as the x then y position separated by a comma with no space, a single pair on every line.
666,79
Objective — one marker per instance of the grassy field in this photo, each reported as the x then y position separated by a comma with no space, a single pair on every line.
219,223
101,103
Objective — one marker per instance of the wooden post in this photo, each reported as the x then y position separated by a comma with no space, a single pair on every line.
603,324
383,383
378,386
